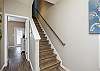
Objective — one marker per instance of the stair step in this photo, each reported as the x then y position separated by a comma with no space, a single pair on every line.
46,52
47,56
39,29
47,60
36,22
43,39
41,34
49,64
61,69
53,68
44,48
38,26
46,45
45,42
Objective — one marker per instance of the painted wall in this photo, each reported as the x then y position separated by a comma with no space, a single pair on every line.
2,40
69,19
19,7
1,5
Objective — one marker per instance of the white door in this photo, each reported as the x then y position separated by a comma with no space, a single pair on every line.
27,38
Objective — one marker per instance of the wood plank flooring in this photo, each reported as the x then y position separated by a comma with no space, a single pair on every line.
17,62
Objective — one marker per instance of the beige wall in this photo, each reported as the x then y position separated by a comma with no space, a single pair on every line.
19,7
1,5
69,19
2,40
44,6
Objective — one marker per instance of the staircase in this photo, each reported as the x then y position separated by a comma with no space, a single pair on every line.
47,59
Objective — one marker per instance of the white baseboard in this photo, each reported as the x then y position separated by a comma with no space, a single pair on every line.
65,68
31,65
3,67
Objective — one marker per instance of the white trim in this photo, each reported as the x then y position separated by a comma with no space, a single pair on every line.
31,65
3,67
99,52
24,17
5,41
5,35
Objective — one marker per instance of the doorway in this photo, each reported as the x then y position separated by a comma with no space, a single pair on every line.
16,36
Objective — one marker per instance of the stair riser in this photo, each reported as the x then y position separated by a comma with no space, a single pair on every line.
43,39
49,56
44,48
44,43
38,27
49,68
42,34
54,68
45,53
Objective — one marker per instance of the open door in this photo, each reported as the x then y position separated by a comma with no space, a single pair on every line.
27,38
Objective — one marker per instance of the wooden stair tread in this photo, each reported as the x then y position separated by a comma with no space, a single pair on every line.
47,56
46,50
46,53
47,59
44,45
49,64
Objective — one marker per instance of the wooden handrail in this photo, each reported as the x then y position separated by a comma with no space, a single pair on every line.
51,28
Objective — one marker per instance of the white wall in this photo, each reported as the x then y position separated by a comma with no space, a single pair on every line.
69,19
19,7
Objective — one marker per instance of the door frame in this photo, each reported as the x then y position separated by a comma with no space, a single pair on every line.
6,19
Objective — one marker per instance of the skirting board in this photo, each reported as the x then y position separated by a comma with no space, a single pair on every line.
31,65
3,67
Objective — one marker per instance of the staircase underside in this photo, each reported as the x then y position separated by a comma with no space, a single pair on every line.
48,60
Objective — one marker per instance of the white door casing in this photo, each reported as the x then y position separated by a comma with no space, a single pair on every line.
27,38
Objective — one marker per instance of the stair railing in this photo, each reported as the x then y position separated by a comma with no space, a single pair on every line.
39,15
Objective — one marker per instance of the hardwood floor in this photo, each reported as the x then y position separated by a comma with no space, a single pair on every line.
17,61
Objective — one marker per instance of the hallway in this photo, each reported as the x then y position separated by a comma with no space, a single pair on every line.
17,62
